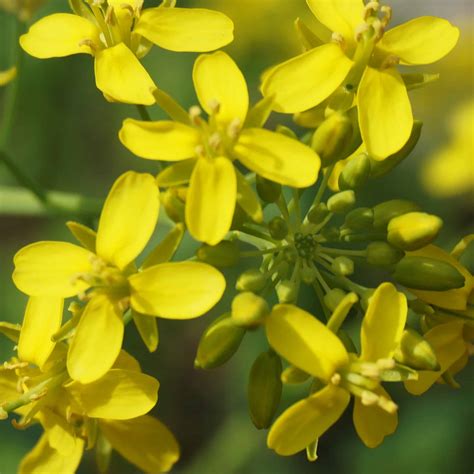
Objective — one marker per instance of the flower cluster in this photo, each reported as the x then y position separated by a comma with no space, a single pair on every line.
280,205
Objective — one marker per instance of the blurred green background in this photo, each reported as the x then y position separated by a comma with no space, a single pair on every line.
65,136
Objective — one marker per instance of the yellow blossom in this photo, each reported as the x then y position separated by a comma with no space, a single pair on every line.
360,58
107,281
206,150
7,76
118,33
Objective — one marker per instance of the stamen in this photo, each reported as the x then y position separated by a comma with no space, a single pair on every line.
386,364
234,128
387,405
195,114
88,42
215,141
369,398
127,6
214,106
360,30
200,151
370,10
338,39
336,379
390,61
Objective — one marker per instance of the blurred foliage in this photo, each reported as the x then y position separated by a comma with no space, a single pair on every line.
65,135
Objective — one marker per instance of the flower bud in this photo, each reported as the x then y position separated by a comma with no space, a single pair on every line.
414,351
360,219
342,266
224,254
318,213
331,233
333,298
281,129
268,190
331,137
386,211
173,205
251,280
218,343
293,376
249,310
414,230
286,291
356,173
278,228
342,202
264,388
383,254
422,273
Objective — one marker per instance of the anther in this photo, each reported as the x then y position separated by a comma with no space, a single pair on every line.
360,30
338,39
370,9
369,398
390,61
387,14
215,141
214,106
110,17
128,7
387,405
234,127
195,114
200,151
88,42
385,364
336,379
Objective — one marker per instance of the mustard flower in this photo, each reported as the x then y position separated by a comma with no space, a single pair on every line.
206,150
360,57
312,347
105,278
118,33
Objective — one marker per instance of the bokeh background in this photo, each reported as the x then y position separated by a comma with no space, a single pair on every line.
65,136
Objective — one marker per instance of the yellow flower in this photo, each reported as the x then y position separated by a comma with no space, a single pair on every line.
450,171
7,76
360,57
310,346
104,277
206,150
118,33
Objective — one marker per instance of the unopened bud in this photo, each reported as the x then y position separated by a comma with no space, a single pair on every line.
249,310
264,389
286,292
422,273
281,129
356,172
414,230
342,202
224,254
173,205
383,254
268,190
293,376
342,266
331,138
251,280
386,211
360,219
318,213
333,298
218,343
331,233
414,351
278,228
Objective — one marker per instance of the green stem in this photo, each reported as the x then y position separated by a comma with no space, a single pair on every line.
322,187
143,112
259,253
320,296
352,253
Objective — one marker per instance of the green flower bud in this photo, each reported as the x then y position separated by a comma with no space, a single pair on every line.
383,167
318,213
331,233
420,307
331,138
268,190
416,352
281,129
173,205
293,376
264,389
224,254
286,291
342,202
278,228
343,266
422,273
333,298
356,173
414,230
386,211
251,280
383,254
249,310
361,218
218,343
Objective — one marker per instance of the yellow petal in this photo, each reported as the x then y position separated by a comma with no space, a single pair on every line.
120,75
451,299
218,80
43,316
185,29
383,323
60,433
59,35
449,346
422,40
50,268
307,420
304,341
247,198
277,157
372,423
128,218
168,141
165,250
44,459
85,235
125,361
97,341
306,80
177,174
7,76
385,115
340,16
154,448
210,202
118,395
176,290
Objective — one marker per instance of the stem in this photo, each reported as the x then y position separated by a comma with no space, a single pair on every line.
353,253
258,253
322,188
320,295
143,112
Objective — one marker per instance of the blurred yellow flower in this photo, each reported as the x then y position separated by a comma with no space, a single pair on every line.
7,76
450,170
